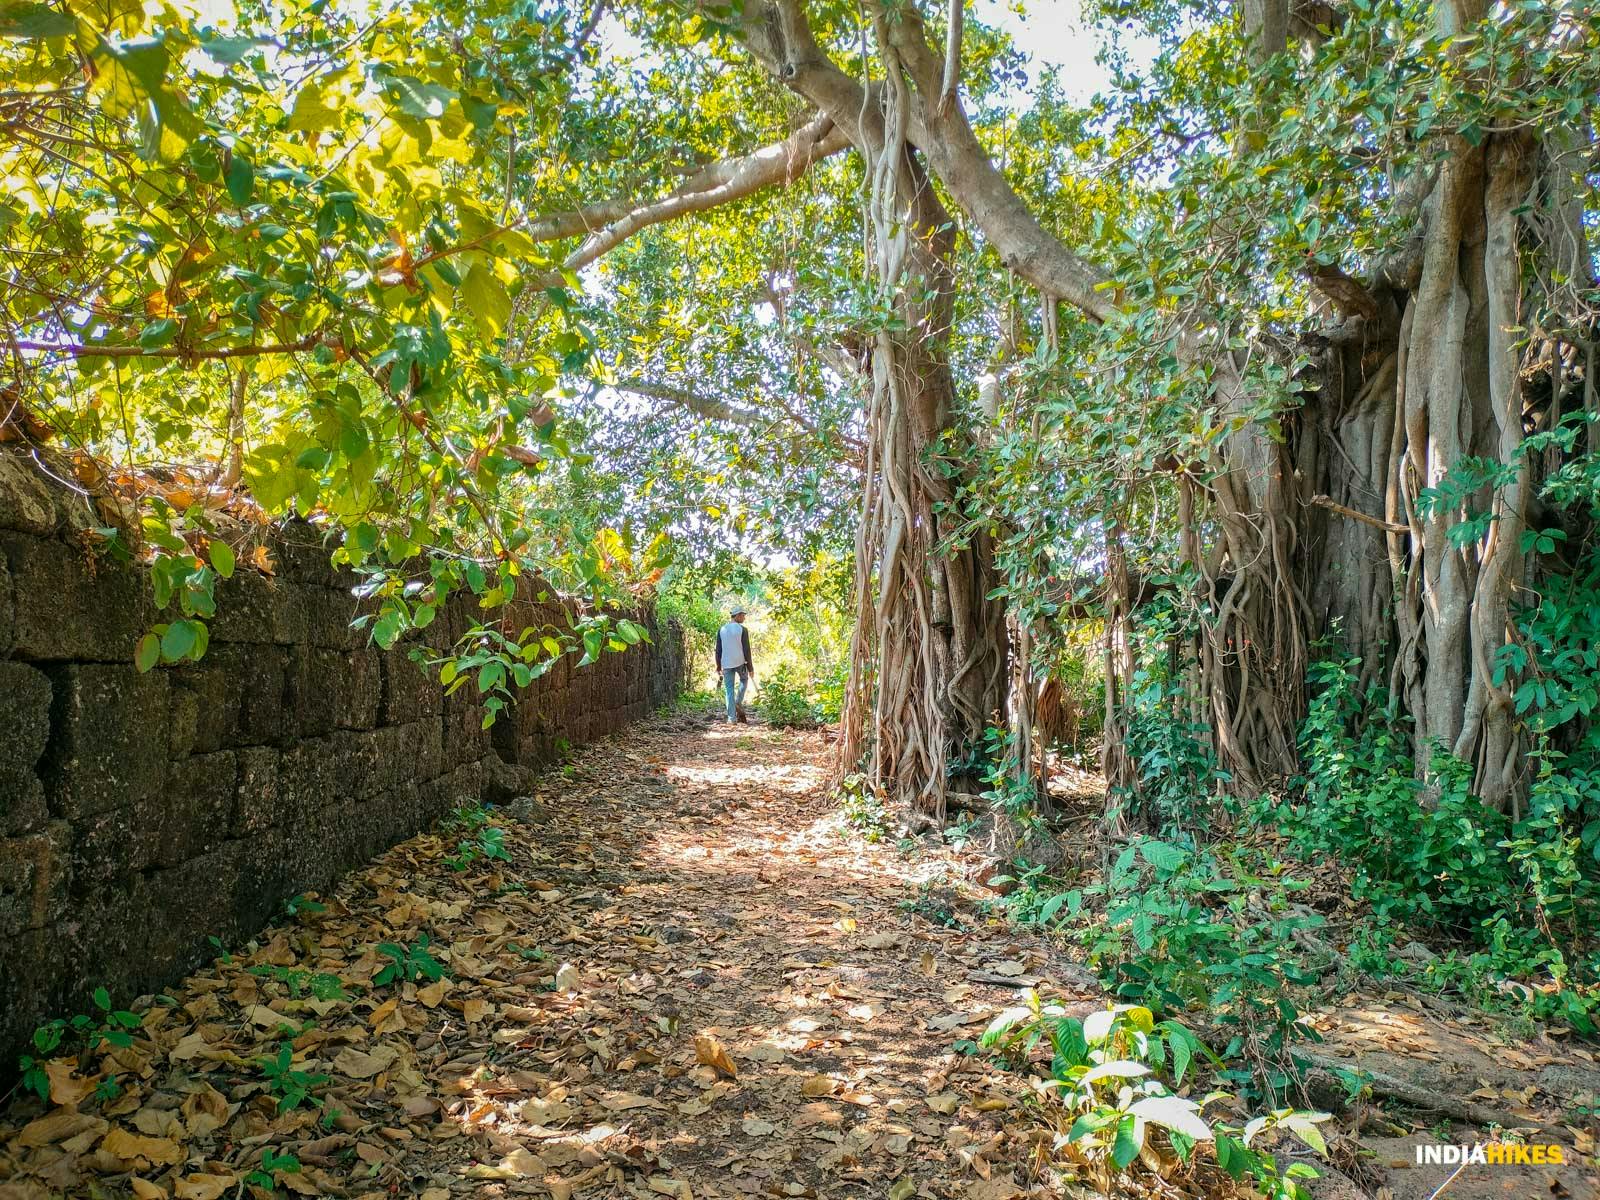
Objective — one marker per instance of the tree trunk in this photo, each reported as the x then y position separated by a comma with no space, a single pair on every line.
940,640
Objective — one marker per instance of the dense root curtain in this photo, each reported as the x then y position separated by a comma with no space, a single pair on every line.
929,659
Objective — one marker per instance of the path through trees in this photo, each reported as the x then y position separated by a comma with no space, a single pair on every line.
689,977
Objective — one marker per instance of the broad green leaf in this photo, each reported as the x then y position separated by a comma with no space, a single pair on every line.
25,19
487,300
178,640
1163,856
1121,1068
240,179
1130,1137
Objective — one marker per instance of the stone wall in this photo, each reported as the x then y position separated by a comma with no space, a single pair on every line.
143,815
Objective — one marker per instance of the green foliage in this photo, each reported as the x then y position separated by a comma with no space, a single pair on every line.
76,1035
295,906
272,1165
1190,929
1427,854
408,963
1176,768
480,838
1116,1075
783,702
863,808
300,982
291,1086
307,283
1008,785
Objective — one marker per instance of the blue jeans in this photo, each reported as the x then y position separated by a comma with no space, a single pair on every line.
735,700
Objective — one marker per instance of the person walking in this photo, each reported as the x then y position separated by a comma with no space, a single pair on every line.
735,663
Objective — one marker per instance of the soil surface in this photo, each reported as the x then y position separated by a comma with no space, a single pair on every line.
688,977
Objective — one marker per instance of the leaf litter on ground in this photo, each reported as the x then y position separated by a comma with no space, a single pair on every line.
688,980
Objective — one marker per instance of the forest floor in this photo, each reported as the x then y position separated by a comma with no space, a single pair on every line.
691,978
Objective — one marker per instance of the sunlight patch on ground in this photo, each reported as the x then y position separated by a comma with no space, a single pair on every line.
789,780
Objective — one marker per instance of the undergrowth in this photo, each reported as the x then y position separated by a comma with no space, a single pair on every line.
1115,1088
1237,913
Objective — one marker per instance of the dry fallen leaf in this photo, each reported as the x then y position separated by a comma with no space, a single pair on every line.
622,1101
433,995
135,1149
203,1186
709,1052
205,1111
756,1127
818,1085
58,1127
364,1064
67,1087
519,1164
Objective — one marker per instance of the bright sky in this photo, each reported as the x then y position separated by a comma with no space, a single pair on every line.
1053,35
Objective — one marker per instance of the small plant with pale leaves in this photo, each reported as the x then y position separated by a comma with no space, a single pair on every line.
1118,1077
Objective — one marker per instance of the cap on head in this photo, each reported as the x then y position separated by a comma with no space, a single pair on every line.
736,611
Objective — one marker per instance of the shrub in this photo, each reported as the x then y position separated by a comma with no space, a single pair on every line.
1115,1076
785,703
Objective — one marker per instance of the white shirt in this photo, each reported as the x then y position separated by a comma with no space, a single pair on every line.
732,635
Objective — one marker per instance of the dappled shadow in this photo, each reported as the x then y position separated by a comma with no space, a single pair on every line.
689,977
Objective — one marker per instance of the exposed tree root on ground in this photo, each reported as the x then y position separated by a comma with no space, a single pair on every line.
691,979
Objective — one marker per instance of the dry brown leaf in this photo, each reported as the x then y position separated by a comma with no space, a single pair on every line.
519,1164
383,1011
158,1122
433,995
710,1052
67,1087
957,1020
818,1085
143,1189
201,1186
205,1111
191,1045
133,1148
545,1112
58,1127
622,1101
360,1064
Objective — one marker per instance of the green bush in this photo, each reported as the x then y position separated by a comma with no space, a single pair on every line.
1116,1076
785,702
1193,928
1427,854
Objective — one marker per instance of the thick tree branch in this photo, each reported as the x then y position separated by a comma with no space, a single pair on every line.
607,224
777,35
720,183
703,406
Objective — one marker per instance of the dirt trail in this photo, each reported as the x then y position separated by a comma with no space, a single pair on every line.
690,978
